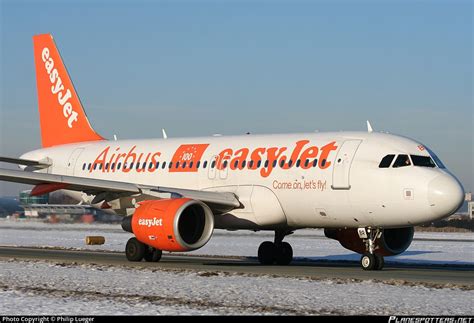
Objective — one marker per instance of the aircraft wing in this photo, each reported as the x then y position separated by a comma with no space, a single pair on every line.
105,190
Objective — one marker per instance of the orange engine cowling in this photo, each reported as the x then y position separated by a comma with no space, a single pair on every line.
392,241
171,224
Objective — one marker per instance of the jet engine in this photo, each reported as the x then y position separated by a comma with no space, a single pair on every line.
171,224
392,241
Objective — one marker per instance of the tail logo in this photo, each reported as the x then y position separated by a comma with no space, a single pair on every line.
57,88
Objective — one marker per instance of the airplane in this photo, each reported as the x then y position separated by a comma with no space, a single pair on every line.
365,189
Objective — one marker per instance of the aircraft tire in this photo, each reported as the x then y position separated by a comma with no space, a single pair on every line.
152,254
267,252
368,261
134,250
284,254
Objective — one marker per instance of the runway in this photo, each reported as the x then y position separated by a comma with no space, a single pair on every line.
432,275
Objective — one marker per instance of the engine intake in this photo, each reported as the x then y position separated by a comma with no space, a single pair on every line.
391,243
171,224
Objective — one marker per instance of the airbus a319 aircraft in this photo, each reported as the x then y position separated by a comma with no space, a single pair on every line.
366,189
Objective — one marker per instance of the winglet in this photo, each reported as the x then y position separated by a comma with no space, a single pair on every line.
369,127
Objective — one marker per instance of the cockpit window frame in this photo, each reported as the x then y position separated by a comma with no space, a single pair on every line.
436,159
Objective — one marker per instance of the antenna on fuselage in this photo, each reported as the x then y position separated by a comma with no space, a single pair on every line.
369,127
165,136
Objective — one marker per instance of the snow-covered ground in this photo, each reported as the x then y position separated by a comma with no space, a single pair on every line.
428,247
52,287
47,288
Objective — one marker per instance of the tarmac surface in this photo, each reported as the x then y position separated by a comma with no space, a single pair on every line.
462,275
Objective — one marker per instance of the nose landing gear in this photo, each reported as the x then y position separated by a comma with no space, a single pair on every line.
278,252
370,260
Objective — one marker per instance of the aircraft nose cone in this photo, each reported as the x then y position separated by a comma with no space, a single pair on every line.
445,195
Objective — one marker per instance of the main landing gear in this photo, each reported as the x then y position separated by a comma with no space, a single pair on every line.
370,260
136,251
278,252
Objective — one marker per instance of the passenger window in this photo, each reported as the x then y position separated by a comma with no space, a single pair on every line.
213,164
113,166
266,163
119,165
306,163
386,161
423,161
84,166
191,165
184,165
259,163
298,162
150,166
315,163
236,163
198,164
251,164
274,163
401,161
204,165
157,165
290,163
244,163
170,165
163,165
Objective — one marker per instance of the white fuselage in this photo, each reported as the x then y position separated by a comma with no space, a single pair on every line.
344,187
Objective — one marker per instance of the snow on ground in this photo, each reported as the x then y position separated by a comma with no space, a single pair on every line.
52,288
427,248
38,287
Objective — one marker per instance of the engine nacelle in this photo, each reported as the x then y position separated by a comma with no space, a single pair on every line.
392,241
171,224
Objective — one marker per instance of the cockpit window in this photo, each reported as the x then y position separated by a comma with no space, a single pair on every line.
401,161
386,161
436,159
423,161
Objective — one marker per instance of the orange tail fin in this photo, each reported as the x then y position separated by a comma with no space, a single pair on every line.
62,118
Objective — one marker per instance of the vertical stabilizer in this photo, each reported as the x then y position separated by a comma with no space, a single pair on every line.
62,117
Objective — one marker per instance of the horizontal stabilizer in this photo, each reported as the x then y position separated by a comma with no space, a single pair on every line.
25,162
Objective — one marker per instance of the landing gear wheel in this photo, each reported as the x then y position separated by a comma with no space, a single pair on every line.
135,250
284,254
367,261
379,262
152,254
267,252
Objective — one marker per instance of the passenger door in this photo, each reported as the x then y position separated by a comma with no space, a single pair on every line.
342,165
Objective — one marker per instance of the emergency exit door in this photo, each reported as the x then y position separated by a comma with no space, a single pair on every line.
342,165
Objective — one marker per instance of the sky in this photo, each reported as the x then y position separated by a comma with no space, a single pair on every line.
197,68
